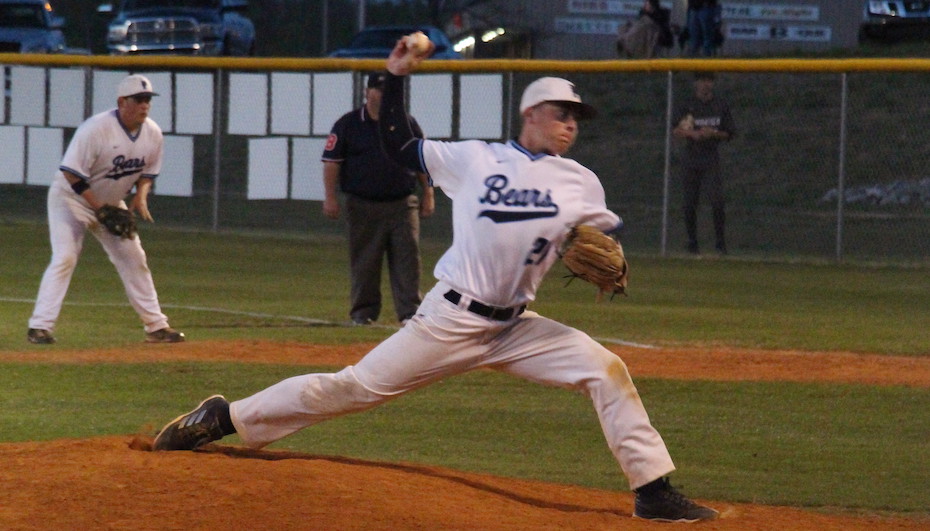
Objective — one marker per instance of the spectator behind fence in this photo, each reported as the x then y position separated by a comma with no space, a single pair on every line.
643,38
703,28
704,121
381,208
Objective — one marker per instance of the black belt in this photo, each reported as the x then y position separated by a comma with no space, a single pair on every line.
491,312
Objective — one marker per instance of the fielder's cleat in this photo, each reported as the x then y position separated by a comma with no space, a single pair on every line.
165,335
660,501
40,337
194,428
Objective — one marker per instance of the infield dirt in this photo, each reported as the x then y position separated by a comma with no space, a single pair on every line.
116,483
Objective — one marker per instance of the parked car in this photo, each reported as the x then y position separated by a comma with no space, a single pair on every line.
375,42
195,27
888,19
30,26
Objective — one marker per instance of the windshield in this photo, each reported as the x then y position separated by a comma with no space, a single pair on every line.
147,4
21,16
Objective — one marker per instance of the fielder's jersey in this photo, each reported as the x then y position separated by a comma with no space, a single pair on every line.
109,158
511,210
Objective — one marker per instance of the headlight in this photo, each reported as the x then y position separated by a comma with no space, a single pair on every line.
210,31
118,32
880,8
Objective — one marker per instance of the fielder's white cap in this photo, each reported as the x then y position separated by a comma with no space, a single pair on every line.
555,90
134,85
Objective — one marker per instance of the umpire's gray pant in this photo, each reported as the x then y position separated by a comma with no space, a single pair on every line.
378,229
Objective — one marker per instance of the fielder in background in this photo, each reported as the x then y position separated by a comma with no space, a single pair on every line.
109,154
383,212
704,121
513,205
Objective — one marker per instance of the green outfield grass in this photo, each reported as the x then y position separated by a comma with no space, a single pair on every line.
234,286
846,447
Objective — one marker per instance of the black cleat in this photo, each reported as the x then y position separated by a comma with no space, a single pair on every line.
661,502
165,335
194,428
38,336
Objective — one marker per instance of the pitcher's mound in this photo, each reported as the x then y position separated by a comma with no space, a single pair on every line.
117,483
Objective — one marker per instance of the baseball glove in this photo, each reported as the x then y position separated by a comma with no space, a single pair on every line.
118,221
687,123
595,257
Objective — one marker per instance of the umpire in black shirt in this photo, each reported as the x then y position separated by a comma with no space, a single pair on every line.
382,209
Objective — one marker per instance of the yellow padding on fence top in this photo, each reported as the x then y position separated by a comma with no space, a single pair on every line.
179,62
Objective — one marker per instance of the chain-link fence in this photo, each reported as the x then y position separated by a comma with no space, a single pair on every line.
245,138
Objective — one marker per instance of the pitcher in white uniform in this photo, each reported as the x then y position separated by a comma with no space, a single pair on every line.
110,153
512,206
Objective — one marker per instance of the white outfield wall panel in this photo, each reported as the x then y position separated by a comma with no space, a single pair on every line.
482,106
46,147
105,82
27,95
307,170
194,104
177,167
431,104
66,97
248,104
332,97
290,104
13,154
267,168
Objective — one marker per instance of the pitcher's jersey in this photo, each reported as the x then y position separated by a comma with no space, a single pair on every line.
103,153
511,210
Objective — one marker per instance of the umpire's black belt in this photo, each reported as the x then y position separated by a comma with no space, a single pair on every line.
491,312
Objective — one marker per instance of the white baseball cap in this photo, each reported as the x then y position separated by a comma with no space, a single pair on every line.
134,85
555,90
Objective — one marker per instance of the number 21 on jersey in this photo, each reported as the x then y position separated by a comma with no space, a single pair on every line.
538,252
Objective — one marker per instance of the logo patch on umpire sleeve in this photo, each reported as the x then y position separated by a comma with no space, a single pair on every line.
331,141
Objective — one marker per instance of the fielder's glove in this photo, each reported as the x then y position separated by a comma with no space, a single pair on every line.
595,257
118,221
686,123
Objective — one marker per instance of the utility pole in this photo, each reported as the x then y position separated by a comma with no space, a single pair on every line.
361,15
324,32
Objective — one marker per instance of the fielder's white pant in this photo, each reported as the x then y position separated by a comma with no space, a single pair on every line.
443,340
69,217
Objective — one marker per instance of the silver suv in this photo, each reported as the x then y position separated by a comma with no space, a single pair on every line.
882,19
30,26
193,27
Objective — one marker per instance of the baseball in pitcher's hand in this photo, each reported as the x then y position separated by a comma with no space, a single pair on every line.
403,61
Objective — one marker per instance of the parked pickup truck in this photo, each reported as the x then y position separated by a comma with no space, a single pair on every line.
193,27
891,20
30,26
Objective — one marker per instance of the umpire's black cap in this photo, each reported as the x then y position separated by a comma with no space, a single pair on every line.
376,80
